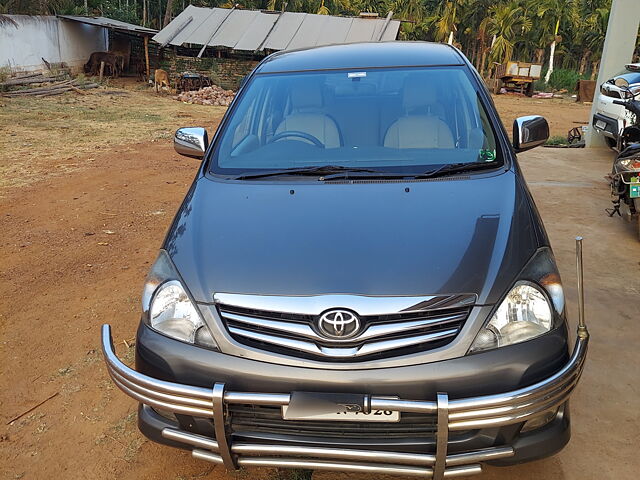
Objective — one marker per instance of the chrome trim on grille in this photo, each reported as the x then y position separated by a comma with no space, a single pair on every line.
388,328
345,352
373,331
362,304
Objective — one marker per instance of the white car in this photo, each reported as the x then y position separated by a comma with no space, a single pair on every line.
610,118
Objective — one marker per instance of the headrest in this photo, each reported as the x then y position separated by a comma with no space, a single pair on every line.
306,95
419,91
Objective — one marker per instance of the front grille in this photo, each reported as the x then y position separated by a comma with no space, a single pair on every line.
382,336
251,419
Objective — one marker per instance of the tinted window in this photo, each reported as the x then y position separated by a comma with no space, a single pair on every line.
393,120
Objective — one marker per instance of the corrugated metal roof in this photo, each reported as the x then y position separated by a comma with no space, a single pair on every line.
284,31
255,30
110,23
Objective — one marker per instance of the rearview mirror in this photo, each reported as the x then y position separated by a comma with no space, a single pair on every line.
621,82
529,132
191,142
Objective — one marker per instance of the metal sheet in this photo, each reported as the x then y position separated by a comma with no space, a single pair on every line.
310,31
391,32
198,15
284,31
336,31
257,31
233,27
202,34
109,23
251,30
363,30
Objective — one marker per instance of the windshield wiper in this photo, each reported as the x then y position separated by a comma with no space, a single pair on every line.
315,170
446,169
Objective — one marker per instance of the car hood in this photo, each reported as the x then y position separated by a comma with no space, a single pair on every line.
443,236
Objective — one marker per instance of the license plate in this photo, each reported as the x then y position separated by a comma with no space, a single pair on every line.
601,124
374,416
634,190
333,407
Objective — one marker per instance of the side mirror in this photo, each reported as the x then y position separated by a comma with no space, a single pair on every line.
191,141
621,82
529,132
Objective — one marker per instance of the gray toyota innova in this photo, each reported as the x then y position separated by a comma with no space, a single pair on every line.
358,278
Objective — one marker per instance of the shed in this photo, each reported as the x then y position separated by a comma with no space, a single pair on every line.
258,30
123,38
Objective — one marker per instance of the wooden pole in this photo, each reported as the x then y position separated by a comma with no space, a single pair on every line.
146,55
101,71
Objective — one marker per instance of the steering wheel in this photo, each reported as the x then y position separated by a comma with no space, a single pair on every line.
295,133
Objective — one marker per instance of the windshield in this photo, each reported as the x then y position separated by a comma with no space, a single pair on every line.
393,120
631,77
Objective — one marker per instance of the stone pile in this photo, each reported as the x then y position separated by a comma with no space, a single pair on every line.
213,95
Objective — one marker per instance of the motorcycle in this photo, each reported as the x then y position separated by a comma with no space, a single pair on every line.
625,174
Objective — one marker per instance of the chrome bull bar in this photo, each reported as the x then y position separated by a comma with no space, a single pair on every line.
452,414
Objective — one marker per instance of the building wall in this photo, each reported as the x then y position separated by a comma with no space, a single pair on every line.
23,47
224,72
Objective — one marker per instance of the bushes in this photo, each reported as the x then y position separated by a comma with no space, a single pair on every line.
557,140
563,78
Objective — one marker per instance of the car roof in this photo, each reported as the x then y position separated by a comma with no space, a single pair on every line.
362,55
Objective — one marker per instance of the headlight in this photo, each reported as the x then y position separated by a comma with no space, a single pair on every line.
168,308
528,310
524,314
630,163
173,314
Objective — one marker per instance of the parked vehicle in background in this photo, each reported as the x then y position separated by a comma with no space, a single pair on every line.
358,278
612,117
625,174
516,76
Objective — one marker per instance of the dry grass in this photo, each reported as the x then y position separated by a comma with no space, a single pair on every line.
47,136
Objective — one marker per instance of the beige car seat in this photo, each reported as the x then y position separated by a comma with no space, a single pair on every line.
306,116
421,127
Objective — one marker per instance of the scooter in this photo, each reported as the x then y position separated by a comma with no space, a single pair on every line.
625,174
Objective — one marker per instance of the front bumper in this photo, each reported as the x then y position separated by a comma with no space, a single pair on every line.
453,415
611,128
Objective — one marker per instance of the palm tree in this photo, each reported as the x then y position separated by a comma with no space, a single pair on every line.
505,22
554,12
445,21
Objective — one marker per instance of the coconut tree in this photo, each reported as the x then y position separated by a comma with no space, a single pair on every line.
554,13
505,22
445,20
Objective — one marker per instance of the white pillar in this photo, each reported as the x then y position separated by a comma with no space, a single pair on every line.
619,45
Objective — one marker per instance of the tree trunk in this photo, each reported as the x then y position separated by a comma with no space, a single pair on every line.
539,55
474,51
86,7
483,59
145,14
551,54
594,69
583,62
483,55
450,41
167,13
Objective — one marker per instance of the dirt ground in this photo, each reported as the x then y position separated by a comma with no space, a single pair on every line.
83,210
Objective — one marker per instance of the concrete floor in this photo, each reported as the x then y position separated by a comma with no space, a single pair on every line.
571,194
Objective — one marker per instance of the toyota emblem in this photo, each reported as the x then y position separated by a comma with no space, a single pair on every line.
339,324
